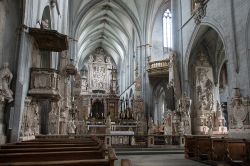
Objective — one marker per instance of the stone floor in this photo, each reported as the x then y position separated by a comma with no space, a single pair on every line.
158,160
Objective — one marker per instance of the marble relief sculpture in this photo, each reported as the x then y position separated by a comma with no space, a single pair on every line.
30,119
71,127
5,80
99,75
204,90
184,109
239,107
168,123
108,124
204,102
54,118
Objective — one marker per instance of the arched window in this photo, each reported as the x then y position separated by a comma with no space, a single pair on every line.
167,30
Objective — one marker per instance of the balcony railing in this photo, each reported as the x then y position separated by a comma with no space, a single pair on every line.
158,68
44,83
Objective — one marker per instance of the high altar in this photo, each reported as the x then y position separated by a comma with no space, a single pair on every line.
96,96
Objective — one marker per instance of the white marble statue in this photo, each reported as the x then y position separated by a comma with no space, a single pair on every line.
108,124
71,127
5,80
91,59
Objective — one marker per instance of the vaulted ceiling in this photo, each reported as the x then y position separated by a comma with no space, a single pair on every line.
110,24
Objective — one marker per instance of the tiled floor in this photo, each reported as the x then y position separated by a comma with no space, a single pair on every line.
158,160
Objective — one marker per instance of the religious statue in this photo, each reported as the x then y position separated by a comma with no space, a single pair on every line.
108,59
91,59
84,85
108,124
150,126
53,118
5,80
71,127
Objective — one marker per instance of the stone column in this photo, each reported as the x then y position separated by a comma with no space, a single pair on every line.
2,28
2,134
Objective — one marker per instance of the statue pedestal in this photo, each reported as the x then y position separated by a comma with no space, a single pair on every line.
2,126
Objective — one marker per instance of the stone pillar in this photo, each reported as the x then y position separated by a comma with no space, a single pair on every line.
2,28
2,126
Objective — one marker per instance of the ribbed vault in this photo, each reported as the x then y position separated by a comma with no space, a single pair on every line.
105,24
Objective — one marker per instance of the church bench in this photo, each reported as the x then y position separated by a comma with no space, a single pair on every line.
53,160
204,148
190,147
235,151
51,156
9,146
57,142
247,157
60,140
218,149
94,162
50,149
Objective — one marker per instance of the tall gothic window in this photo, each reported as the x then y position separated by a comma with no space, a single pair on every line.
167,30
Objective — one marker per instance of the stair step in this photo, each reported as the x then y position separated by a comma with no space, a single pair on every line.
149,152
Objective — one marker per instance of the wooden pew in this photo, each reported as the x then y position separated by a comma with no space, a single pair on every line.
190,147
96,162
107,161
57,151
247,157
50,149
204,148
235,151
50,156
218,149
11,146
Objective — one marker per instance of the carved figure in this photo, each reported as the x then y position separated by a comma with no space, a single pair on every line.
108,60
204,89
99,56
184,105
138,84
53,119
108,121
71,127
150,126
91,59
84,84
5,80
239,112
